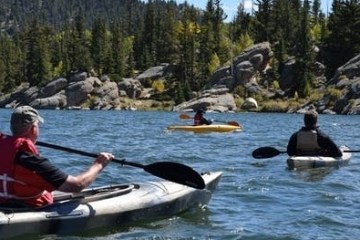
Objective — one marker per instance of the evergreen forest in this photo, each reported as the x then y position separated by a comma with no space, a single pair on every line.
41,40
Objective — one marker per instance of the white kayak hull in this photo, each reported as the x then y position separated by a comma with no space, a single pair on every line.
308,162
108,206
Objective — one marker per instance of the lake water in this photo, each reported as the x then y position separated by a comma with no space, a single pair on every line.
256,198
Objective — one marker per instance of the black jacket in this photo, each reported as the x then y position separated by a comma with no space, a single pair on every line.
328,146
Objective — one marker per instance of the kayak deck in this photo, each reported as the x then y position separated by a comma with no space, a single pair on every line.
308,162
104,207
205,128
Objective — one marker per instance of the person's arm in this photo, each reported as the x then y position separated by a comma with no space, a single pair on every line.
205,121
78,183
55,179
328,144
291,147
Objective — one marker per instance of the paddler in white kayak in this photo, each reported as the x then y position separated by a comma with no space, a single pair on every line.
26,178
310,140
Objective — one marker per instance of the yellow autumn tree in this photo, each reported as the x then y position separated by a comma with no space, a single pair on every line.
158,86
214,63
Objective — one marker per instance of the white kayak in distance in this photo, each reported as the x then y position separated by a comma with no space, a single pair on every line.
108,206
308,162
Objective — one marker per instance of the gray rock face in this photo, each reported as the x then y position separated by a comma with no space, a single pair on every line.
287,75
347,79
218,100
62,93
56,101
351,70
77,92
53,87
132,87
154,72
244,67
243,71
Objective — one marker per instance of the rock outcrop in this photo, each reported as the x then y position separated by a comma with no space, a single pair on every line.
248,75
347,79
244,67
215,99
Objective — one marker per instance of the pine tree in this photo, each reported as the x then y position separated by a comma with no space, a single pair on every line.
79,46
99,46
188,50
241,24
316,10
168,41
37,55
148,39
304,56
207,39
343,42
263,25
287,20
10,63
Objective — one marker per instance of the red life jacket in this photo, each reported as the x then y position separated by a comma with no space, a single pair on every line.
197,119
17,182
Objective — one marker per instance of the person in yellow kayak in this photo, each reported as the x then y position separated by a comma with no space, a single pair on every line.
199,118
26,178
310,140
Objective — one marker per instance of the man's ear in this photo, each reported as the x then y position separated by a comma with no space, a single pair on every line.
33,129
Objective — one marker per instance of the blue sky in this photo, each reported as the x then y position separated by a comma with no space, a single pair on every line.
230,6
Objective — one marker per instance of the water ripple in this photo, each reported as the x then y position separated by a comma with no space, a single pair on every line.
256,198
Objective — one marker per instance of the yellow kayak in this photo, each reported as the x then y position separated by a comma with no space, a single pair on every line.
205,128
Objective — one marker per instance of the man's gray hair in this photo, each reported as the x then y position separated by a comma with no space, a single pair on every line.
22,119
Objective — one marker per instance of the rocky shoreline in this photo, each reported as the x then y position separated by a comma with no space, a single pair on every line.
248,71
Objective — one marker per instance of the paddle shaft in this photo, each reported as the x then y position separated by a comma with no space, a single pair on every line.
175,172
269,152
351,151
87,154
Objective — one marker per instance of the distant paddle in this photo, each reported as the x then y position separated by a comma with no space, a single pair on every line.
184,116
171,171
269,152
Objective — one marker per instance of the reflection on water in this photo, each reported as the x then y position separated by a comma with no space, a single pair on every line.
313,175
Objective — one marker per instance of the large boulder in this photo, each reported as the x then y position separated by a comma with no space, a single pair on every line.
57,101
351,70
154,73
347,79
108,90
218,100
287,77
132,87
244,67
53,87
23,94
78,76
249,104
77,92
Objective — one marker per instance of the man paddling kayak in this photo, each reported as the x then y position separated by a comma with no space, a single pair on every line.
309,140
26,178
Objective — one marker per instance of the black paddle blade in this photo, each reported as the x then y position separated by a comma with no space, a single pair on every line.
176,172
265,152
